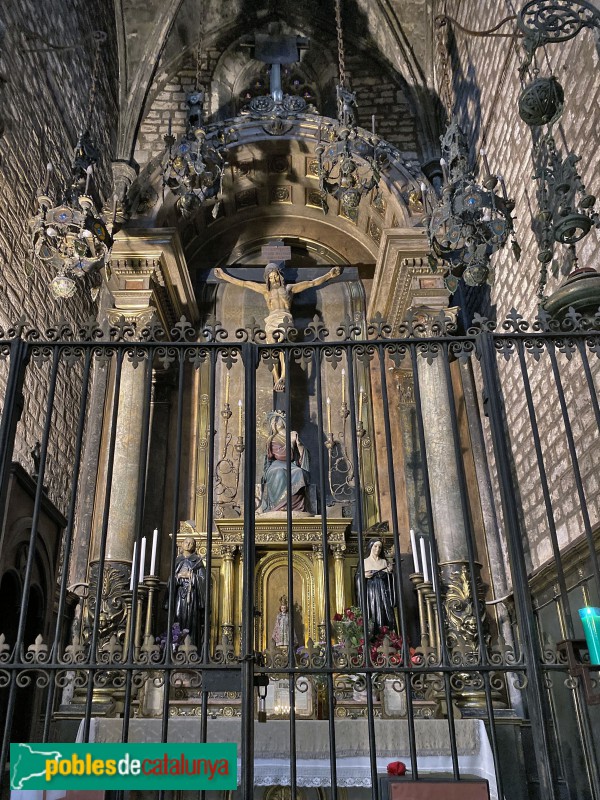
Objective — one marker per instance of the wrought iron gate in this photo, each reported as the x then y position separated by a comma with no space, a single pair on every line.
522,476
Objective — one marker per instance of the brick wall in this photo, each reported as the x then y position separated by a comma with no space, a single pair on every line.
377,92
44,104
486,86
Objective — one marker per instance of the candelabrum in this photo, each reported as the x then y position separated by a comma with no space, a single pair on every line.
340,464
67,232
194,164
470,221
424,580
227,469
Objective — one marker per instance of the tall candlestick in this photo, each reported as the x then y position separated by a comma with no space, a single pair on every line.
142,559
239,418
328,415
424,565
153,555
227,389
415,553
343,386
132,567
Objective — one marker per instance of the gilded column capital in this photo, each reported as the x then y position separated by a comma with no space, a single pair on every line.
403,277
139,318
338,551
428,320
227,551
148,270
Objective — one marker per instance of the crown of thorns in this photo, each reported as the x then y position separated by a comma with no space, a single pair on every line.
270,268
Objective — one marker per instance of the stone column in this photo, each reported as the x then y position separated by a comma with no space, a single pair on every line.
227,558
403,281
149,282
338,576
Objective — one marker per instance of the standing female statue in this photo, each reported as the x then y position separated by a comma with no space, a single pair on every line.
274,481
380,590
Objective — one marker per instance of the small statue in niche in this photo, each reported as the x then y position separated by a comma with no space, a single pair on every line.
281,629
379,587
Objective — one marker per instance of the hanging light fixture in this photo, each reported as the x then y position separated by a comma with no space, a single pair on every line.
566,210
470,221
67,232
350,163
194,164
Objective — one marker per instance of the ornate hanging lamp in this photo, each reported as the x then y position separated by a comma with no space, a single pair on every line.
67,231
566,212
470,222
194,163
350,163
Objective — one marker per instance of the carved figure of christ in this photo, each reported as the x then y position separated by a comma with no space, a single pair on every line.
278,297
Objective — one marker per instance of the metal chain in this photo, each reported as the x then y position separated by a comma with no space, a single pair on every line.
199,46
340,42
99,39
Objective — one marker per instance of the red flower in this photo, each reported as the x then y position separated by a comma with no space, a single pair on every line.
337,617
350,614
396,768
384,629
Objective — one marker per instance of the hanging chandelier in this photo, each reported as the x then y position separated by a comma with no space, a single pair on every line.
349,164
194,164
470,222
566,210
67,232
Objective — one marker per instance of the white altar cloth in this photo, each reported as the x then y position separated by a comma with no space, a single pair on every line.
272,750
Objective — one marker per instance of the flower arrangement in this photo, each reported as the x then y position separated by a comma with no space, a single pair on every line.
385,647
178,635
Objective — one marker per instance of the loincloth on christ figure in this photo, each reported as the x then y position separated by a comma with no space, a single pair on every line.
278,320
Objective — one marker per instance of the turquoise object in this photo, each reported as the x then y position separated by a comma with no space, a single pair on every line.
590,619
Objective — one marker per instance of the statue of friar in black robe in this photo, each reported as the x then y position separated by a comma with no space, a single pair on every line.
190,591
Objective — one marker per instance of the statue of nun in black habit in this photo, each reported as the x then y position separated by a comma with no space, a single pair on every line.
379,585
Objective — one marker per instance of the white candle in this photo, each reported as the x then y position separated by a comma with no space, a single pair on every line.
415,554
373,123
142,559
424,564
132,567
328,415
239,418
89,171
153,556
486,165
360,403
227,390
343,386
433,569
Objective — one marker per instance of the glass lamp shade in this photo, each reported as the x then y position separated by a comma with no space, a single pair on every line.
63,287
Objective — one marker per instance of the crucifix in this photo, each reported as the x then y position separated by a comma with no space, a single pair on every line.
276,48
278,297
